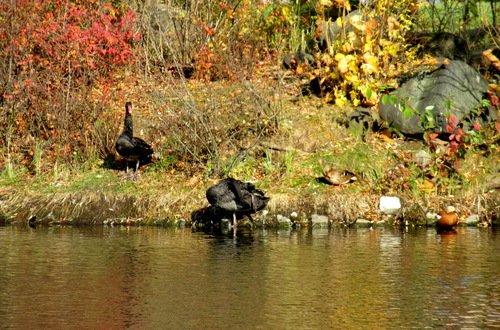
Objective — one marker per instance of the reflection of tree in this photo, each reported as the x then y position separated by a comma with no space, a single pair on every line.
311,278
329,278
232,279
64,275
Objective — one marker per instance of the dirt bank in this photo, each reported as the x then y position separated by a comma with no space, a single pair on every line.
98,208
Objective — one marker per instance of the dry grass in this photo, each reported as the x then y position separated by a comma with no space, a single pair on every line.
285,163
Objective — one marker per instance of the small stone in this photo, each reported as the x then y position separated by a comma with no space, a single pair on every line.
319,220
225,223
422,158
363,222
390,204
472,220
283,222
282,219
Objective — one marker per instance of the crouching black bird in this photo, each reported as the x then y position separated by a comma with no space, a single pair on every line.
237,198
133,149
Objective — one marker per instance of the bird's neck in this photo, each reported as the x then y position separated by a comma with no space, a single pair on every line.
128,127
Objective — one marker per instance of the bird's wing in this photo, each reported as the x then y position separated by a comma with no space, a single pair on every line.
124,142
142,145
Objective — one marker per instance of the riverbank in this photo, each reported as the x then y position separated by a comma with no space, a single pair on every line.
285,162
328,206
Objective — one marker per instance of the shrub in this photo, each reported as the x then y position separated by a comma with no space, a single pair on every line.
220,40
52,52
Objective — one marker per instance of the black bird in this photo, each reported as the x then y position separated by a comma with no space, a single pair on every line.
237,198
133,149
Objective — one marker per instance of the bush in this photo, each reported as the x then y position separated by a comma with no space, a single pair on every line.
219,40
52,52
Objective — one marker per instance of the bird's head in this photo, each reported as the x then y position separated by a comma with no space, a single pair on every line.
129,107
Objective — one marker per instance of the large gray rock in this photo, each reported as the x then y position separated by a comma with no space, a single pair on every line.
440,44
425,102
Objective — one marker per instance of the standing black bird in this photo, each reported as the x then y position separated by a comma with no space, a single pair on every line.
236,197
132,148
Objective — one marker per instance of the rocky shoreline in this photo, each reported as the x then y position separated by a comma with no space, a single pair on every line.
283,210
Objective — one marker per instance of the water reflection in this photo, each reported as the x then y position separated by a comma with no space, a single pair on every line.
178,278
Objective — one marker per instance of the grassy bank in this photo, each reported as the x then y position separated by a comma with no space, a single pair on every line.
286,163
103,198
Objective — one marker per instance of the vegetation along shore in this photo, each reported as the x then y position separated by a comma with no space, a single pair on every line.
343,113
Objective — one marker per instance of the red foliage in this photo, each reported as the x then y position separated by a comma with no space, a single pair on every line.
51,54
456,134
66,37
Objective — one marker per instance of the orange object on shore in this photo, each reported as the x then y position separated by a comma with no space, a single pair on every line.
447,219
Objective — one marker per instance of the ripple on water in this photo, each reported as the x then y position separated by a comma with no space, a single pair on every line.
179,278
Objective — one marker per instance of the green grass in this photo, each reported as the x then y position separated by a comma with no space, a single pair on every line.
285,164
448,16
9,179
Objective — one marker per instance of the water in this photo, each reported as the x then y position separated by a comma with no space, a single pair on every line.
157,278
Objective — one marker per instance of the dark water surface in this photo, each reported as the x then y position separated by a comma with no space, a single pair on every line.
158,278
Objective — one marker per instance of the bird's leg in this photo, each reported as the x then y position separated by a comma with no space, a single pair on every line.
235,223
134,175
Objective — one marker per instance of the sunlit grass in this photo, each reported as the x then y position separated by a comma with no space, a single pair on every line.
285,164
449,15
8,178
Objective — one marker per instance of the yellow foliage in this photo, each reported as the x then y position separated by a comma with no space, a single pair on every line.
343,66
346,63
327,59
358,22
371,64
340,100
353,80
393,27
354,97
368,51
326,3
343,4
339,21
426,186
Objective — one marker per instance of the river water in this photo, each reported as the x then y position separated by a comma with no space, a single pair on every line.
166,278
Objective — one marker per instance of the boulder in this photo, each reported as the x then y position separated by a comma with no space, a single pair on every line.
426,101
362,120
440,44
